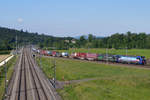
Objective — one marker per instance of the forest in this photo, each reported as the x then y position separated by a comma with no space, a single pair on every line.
8,39
128,40
118,41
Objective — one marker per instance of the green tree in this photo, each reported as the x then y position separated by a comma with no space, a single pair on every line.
82,41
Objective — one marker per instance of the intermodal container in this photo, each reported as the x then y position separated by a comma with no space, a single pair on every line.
91,56
49,53
64,54
53,53
81,55
73,55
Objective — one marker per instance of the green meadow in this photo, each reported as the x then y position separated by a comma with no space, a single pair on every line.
112,82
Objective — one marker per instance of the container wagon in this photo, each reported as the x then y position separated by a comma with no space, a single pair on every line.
64,54
43,52
53,53
81,56
110,58
91,56
49,53
73,55
58,54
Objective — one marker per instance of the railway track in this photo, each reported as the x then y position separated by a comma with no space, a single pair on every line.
22,81
37,82
28,81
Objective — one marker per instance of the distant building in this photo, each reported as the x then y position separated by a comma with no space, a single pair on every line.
67,41
73,41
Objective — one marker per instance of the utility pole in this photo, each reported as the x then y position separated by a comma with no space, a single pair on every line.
40,61
16,44
54,66
107,54
5,79
126,51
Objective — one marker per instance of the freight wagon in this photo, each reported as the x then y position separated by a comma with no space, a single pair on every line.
34,49
64,54
110,58
46,53
43,52
81,55
49,53
73,55
38,51
91,56
53,53
56,54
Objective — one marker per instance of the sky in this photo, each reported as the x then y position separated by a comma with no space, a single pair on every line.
76,17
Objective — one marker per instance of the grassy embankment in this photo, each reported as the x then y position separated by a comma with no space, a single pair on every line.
137,52
112,83
10,68
3,57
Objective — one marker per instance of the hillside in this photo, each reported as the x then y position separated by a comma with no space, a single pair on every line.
118,41
8,39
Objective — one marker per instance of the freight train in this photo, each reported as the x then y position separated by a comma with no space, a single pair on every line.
139,60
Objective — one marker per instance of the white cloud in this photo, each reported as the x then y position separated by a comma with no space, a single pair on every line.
20,20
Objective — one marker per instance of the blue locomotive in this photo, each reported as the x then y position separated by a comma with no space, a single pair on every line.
132,59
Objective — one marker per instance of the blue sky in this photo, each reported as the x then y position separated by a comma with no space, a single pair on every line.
76,17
